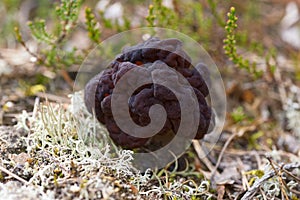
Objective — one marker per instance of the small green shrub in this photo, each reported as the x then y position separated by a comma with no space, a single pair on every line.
91,23
52,53
230,46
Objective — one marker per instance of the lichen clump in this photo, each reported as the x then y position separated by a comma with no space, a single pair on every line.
98,91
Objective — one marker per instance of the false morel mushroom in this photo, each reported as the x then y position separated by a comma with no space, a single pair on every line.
98,91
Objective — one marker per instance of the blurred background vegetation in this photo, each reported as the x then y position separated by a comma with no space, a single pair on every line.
45,41
204,20
59,41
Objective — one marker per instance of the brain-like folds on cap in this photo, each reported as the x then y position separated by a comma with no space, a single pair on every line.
156,52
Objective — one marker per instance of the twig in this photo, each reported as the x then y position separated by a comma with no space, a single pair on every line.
279,82
22,42
15,115
3,140
287,172
35,107
222,153
258,160
295,191
236,152
1,117
278,174
292,175
65,24
265,177
245,183
14,175
67,78
53,97
228,193
202,156
263,194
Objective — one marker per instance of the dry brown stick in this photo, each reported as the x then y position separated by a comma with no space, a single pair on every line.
228,193
282,183
53,97
235,133
201,155
237,152
295,191
263,194
265,177
67,78
278,173
222,153
258,160
292,175
13,175
287,172
245,183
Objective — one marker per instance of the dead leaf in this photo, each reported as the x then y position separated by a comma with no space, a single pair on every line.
134,189
248,96
21,158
